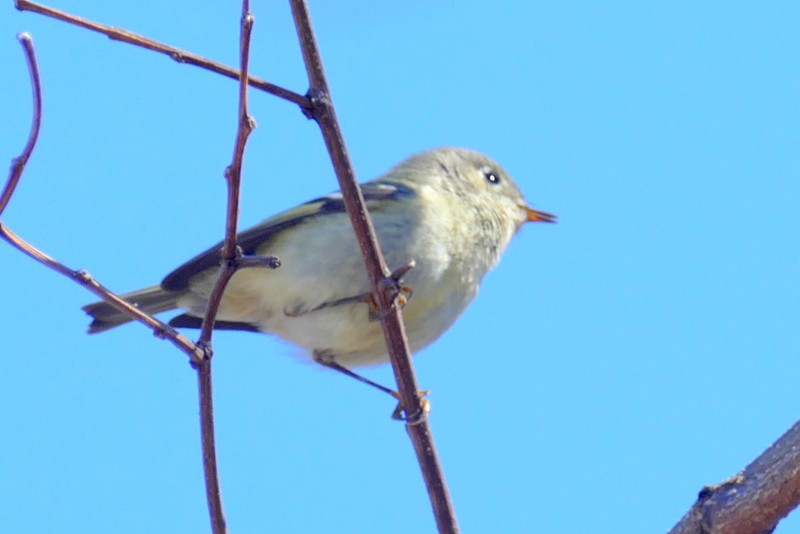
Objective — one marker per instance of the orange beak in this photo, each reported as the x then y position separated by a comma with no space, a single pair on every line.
533,215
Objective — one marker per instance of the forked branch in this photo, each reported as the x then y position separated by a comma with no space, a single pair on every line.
81,277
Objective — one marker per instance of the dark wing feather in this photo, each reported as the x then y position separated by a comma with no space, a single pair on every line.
252,238
189,321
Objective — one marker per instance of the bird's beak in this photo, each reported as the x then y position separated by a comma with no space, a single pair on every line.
532,215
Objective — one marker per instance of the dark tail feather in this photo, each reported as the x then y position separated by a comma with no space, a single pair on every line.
150,299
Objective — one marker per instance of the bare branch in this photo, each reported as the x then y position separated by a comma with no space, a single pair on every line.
323,112
81,277
210,471
181,56
230,254
248,262
18,163
233,174
200,353
753,501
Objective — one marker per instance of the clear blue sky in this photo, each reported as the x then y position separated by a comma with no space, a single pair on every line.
611,365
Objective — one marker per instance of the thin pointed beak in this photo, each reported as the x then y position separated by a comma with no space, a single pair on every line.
533,215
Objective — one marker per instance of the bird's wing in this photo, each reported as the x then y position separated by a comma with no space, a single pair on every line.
375,193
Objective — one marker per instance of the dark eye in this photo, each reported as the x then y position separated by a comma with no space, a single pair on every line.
492,177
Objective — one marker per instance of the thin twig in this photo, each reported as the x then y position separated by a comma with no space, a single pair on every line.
233,174
81,277
323,112
249,262
181,56
18,163
228,267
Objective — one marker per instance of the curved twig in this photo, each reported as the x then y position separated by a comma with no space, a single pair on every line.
81,277
18,163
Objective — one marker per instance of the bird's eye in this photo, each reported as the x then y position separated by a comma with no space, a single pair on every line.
491,176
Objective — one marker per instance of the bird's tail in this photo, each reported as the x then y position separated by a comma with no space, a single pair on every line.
150,299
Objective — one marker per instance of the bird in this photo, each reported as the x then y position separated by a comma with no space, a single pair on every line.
450,212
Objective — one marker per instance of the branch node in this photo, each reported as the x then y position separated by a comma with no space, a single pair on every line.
708,491
83,276
232,262
203,353
319,104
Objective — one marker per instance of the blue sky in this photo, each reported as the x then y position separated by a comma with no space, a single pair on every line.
611,365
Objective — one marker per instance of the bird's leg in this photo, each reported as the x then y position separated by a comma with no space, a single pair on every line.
325,358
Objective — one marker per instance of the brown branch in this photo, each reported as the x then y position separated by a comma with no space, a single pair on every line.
210,471
18,163
201,352
228,268
323,112
753,501
233,174
231,262
81,277
181,56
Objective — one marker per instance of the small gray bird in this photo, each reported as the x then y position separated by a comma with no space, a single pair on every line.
453,211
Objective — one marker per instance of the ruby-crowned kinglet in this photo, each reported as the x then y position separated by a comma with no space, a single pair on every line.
453,211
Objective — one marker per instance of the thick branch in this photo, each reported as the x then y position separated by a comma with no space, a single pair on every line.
755,500
181,56
379,274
